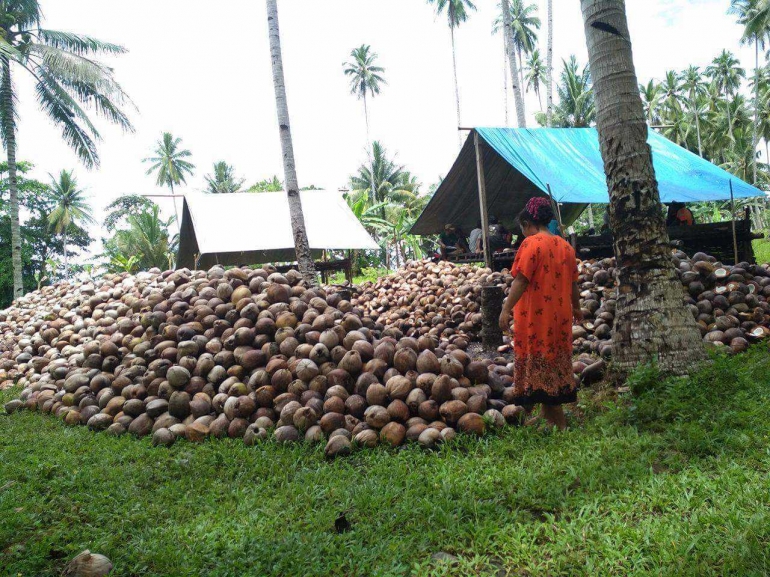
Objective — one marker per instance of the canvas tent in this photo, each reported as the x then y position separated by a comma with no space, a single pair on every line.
251,228
519,163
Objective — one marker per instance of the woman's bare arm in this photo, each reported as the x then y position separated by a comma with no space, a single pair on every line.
576,310
520,284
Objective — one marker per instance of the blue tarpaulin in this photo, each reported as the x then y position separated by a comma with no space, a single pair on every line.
569,160
520,163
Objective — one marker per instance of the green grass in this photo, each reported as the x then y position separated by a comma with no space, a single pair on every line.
673,482
762,250
367,275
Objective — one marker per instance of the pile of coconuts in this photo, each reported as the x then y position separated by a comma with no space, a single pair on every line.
442,300
242,353
731,304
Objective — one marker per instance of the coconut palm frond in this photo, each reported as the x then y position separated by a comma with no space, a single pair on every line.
63,111
78,43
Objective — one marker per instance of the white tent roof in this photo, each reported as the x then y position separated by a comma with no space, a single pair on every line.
241,223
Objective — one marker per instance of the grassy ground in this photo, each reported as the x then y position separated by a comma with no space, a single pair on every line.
673,482
762,250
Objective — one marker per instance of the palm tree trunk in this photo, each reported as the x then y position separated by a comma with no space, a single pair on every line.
66,258
521,72
369,147
9,132
176,211
505,77
457,86
549,65
301,245
729,120
756,111
520,114
697,128
590,216
650,321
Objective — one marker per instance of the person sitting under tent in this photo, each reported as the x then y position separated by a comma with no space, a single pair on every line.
475,244
499,236
451,242
679,215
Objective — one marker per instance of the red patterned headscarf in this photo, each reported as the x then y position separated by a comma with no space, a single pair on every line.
539,209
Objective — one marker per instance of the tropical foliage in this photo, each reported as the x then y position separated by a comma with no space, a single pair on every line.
146,243
387,200
70,208
42,248
223,180
68,85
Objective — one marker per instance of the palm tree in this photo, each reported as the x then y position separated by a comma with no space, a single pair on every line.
457,13
65,76
392,183
671,92
650,321
170,165
365,77
536,74
223,179
576,97
301,245
147,239
726,74
524,25
70,208
549,65
650,94
693,83
510,43
754,16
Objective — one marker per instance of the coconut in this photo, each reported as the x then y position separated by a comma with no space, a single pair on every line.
366,438
429,438
377,416
163,437
87,564
472,423
393,434
337,447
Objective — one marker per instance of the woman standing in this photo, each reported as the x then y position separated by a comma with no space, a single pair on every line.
544,299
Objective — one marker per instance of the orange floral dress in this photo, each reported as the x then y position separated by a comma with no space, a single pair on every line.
542,322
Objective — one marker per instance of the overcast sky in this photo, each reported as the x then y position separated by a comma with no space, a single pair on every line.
201,70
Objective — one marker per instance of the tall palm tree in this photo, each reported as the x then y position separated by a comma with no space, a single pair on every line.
301,245
457,13
695,86
69,83
223,179
650,94
365,76
70,208
524,25
549,65
576,97
754,16
170,166
650,321
726,74
671,92
510,43
392,183
536,74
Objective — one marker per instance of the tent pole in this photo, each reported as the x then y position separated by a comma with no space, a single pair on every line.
557,210
483,201
732,215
